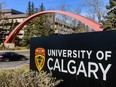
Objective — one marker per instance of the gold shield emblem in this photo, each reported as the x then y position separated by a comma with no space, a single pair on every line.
39,58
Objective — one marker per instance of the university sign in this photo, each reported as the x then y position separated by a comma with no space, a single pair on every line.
81,60
75,67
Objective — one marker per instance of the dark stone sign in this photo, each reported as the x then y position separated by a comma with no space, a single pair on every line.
81,60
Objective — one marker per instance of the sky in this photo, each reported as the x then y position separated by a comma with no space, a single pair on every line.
21,5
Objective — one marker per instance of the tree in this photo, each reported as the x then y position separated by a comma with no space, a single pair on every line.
78,26
6,25
3,24
74,24
63,7
29,9
39,26
81,28
13,24
109,21
95,9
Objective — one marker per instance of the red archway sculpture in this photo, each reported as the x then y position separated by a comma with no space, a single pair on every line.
92,24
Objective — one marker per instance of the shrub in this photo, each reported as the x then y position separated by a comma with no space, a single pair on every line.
20,78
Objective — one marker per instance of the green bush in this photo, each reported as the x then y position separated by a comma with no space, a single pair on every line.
20,78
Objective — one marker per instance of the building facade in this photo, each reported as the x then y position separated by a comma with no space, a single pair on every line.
9,18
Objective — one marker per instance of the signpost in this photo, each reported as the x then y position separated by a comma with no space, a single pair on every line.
81,60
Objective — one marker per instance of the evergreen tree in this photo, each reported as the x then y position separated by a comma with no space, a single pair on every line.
42,8
4,23
81,28
13,24
110,20
32,8
29,9
39,26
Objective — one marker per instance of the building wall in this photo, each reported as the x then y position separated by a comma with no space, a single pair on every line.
62,28
13,15
9,15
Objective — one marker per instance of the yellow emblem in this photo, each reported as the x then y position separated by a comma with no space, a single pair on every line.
39,58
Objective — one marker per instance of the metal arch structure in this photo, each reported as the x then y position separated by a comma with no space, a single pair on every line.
92,24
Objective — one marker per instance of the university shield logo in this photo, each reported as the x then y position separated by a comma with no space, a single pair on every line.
39,58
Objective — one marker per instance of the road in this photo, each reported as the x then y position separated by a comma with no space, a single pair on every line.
12,64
